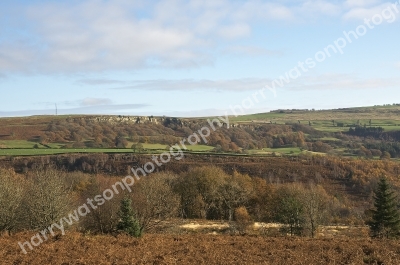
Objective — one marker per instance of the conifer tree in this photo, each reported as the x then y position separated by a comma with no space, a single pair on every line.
385,221
128,222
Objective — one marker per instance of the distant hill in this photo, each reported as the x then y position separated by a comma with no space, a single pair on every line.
337,132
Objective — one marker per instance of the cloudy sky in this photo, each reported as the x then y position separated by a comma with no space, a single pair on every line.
196,58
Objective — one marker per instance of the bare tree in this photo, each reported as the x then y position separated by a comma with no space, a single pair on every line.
154,200
47,198
315,201
103,219
11,195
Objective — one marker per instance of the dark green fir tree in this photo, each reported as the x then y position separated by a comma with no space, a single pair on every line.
128,222
385,221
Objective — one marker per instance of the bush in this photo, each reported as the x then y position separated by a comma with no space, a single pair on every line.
243,219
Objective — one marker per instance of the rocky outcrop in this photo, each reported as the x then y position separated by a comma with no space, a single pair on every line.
125,119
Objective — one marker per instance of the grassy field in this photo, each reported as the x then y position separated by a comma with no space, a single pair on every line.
257,117
25,148
16,144
384,116
198,147
268,151
328,139
30,152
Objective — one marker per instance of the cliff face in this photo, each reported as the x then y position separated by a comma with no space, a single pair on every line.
124,119
158,120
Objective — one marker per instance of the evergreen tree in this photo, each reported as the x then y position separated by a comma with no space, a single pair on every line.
385,221
128,221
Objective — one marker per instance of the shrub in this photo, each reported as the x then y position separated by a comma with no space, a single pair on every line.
243,219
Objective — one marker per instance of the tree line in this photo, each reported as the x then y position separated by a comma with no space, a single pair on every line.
41,197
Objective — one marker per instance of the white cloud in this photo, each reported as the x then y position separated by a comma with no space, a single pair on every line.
96,82
235,31
191,84
96,35
101,36
250,51
306,82
103,109
361,3
95,101
264,11
342,81
360,13
320,7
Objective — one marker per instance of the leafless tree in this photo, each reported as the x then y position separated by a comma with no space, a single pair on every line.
104,218
47,198
314,201
11,195
154,200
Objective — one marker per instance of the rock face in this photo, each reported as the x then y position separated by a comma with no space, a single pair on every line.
126,119
178,122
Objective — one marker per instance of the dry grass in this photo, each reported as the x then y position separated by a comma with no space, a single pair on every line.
75,248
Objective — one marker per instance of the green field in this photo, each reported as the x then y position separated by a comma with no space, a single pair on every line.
333,139
257,117
16,144
25,148
29,152
199,148
383,116
55,145
165,147
268,151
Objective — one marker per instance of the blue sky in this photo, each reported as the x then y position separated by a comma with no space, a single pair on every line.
195,58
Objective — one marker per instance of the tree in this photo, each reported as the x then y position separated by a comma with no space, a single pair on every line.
290,209
47,198
385,221
128,222
243,219
233,147
121,142
11,195
235,192
200,192
314,200
385,155
134,147
139,146
154,200
103,219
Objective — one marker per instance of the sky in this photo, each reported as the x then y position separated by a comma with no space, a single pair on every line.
191,58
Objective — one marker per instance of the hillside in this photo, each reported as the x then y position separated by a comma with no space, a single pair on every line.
364,132
297,180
